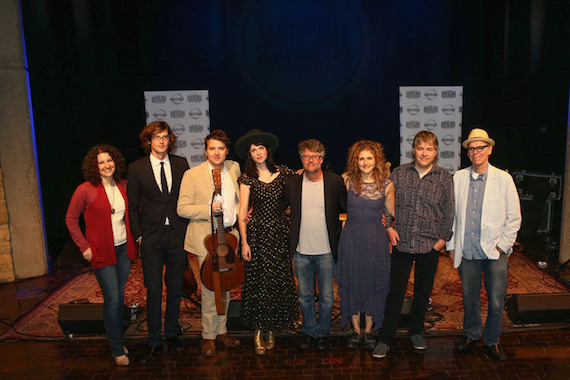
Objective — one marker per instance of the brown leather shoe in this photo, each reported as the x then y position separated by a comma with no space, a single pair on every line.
208,347
228,340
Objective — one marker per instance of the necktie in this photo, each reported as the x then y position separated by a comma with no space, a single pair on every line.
163,179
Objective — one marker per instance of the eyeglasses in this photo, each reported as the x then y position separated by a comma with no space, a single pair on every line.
163,138
477,149
311,157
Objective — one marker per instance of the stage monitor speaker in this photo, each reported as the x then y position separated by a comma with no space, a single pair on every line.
538,308
234,317
85,318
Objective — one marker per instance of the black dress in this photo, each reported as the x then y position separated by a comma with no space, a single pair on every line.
269,298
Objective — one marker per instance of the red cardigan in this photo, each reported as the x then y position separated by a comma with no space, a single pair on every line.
92,202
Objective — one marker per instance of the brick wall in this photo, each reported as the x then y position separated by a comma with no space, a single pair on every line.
6,263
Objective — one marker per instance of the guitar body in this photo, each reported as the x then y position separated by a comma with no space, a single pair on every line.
230,266
223,269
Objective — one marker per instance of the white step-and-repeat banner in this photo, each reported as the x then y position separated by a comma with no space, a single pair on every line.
435,109
188,114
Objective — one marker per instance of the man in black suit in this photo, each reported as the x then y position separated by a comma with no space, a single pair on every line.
316,198
153,187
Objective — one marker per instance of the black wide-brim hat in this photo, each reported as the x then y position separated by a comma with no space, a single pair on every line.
255,136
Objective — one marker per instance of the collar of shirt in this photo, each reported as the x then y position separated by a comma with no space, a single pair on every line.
155,162
477,176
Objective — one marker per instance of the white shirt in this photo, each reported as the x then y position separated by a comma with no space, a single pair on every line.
118,217
227,198
313,233
155,164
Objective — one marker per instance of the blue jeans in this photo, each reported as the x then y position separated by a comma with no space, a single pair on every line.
112,280
306,267
495,278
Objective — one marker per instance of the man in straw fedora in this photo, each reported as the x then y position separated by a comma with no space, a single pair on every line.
487,219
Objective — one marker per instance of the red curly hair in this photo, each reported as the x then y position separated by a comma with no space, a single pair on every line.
381,170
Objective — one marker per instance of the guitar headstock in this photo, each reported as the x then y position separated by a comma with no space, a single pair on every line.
217,178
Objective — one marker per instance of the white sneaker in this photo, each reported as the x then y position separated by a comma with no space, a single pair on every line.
418,341
380,351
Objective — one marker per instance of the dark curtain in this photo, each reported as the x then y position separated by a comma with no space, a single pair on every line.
300,69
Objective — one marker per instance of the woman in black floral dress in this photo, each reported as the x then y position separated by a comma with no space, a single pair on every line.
269,298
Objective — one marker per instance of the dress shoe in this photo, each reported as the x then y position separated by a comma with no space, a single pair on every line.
228,340
152,352
259,343
208,347
496,351
174,343
270,340
466,344
322,343
306,342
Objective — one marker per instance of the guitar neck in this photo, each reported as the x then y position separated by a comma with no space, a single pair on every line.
221,232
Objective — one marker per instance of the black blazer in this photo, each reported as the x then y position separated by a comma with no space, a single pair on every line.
335,203
148,208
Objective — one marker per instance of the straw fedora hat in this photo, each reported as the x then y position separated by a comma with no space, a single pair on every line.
478,134
255,136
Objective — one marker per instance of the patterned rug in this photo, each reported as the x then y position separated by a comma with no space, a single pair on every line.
444,316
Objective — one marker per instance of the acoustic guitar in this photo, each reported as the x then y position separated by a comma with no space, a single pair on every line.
223,269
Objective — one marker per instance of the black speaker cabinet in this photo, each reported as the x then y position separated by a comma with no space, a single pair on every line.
538,308
85,318
234,317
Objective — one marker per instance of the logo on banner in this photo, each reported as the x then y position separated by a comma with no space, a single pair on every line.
178,129
159,114
158,99
300,56
413,94
176,99
448,109
180,144
448,168
197,143
448,124
195,113
177,114
414,124
194,98
414,109
410,140
409,154
430,109
195,128
447,139
447,154
430,124
448,94
197,158
431,94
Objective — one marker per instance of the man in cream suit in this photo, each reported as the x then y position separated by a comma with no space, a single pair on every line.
487,219
195,203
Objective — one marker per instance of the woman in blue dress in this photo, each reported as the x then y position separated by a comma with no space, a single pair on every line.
363,268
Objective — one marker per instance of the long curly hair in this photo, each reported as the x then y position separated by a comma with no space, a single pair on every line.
251,168
91,168
381,170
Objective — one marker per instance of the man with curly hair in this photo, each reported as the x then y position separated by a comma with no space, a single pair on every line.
154,184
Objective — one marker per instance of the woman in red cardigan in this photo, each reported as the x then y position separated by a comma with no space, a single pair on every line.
107,244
